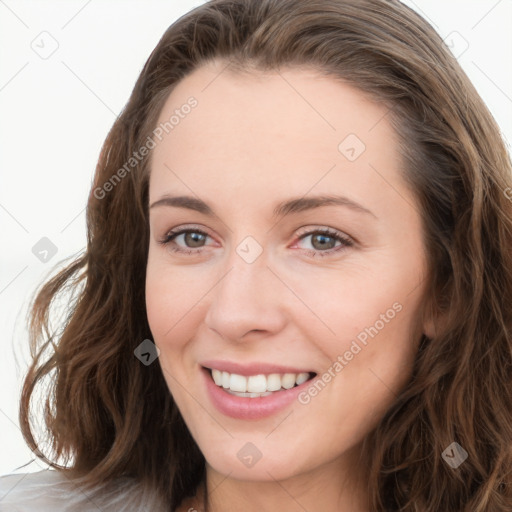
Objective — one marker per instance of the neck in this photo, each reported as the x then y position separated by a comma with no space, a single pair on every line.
331,487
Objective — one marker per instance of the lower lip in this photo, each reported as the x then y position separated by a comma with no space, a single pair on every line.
245,408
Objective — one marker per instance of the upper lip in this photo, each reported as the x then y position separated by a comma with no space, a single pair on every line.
256,368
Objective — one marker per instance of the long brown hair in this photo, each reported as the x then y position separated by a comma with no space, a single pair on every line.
107,415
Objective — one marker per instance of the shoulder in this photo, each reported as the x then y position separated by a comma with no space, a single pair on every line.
53,491
42,490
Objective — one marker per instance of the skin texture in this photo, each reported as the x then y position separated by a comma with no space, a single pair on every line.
252,141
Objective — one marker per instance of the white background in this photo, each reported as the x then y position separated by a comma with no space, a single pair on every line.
56,112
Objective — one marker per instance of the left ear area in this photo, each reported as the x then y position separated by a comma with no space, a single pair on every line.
429,327
429,320
434,320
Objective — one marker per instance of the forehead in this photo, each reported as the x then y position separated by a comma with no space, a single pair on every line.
291,103
265,130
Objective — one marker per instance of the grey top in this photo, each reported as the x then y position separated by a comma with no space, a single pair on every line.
51,491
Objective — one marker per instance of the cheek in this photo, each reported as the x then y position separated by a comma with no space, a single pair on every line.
165,307
370,365
159,302
172,298
175,309
362,380
374,319
354,308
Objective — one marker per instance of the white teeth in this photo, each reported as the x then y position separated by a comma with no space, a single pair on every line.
217,377
301,377
274,382
288,380
238,383
257,385
249,395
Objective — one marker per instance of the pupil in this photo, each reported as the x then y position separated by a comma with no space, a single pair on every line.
194,239
322,245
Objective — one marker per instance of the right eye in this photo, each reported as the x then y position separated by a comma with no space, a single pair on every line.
192,240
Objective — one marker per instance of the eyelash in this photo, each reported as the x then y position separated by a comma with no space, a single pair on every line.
345,241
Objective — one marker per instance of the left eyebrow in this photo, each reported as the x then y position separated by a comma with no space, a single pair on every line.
308,203
282,209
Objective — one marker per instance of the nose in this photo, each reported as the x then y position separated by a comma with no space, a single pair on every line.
248,302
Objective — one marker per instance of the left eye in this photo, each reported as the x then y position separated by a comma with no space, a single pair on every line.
323,241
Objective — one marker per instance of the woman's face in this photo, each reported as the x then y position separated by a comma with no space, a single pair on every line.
300,253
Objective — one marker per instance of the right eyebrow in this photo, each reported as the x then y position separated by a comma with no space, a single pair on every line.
188,202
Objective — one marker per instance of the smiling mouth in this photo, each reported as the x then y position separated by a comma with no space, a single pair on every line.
255,386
